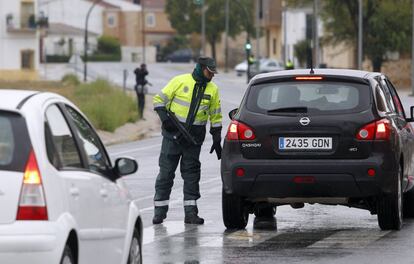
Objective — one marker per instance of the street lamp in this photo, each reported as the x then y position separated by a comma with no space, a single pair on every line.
85,52
200,3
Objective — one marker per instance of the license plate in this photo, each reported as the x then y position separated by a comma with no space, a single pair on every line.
304,143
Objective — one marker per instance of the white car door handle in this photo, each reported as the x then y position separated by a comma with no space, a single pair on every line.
104,193
74,191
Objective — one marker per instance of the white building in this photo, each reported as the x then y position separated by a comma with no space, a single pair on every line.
19,40
73,13
298,25
67,20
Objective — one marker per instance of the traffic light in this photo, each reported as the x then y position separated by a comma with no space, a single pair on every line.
248,46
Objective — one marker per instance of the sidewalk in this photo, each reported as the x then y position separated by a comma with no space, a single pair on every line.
141,129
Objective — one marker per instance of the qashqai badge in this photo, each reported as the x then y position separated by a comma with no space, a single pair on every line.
304,121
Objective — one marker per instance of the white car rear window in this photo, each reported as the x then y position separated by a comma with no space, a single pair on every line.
7,141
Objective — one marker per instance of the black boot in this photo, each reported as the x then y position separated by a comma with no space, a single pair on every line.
157,219
193,219
160,213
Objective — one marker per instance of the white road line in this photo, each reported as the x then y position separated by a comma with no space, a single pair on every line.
352,239
134,150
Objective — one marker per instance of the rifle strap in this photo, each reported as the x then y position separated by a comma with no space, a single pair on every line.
198,93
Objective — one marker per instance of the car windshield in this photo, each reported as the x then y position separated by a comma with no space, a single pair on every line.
321,97
14,143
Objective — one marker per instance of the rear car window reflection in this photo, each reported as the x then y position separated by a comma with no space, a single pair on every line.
323,97
6,141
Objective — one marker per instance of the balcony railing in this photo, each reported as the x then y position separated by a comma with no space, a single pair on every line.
23,23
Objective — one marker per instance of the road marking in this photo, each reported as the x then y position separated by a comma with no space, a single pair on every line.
352,239
134,150
241,238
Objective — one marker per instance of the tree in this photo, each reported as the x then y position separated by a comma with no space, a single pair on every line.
302,49
185,17
386,25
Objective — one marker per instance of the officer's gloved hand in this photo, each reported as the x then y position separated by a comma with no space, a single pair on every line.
169,126
216,133
216,147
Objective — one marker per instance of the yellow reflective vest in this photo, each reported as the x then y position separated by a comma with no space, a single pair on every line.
177,94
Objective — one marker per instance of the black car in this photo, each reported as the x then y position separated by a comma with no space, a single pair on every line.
182,55
337,137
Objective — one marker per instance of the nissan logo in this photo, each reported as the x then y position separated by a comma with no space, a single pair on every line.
304,121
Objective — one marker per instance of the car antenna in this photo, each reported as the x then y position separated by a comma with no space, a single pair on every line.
311,64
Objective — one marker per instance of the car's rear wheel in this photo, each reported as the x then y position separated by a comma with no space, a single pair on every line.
67,256
390,211
135,252
235,214
408,204
268,210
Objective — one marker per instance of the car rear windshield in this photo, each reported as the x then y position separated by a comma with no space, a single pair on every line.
321,97
14,142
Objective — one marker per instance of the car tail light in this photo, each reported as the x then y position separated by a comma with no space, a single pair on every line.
377,130
239,131
32,203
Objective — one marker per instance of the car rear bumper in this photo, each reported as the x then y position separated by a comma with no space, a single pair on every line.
32,242
308,178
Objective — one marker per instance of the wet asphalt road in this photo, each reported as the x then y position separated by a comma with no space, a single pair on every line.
313,234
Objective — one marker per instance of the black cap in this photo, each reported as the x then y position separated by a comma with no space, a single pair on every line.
209,63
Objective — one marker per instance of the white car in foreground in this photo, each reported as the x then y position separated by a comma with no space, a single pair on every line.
61,199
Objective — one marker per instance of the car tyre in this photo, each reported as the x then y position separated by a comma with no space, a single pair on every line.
67,256
408,204
267,211
390,207
235,214
135,251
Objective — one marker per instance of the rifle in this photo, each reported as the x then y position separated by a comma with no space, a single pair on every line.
182,130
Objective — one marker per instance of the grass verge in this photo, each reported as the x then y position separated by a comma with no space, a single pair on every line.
106,106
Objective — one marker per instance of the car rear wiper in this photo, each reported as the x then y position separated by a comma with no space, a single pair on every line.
294,109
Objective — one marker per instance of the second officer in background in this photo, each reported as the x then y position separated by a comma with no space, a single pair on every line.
194,99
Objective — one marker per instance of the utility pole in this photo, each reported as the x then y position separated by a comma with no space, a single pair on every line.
201,4
315,32
203,29
360,29
143,30
85,52
412,54
258,6
285,42
226,40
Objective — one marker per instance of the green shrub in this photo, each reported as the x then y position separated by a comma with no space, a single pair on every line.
57,58
109,45
106,107
70,79
103,57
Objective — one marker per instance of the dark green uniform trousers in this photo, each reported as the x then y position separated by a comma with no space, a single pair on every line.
171,153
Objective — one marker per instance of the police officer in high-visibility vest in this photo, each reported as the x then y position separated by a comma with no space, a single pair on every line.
194,99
